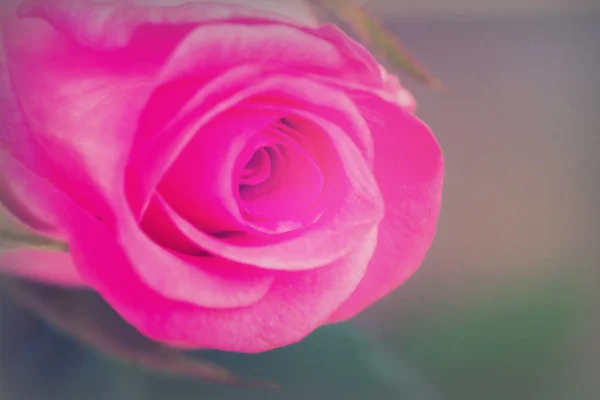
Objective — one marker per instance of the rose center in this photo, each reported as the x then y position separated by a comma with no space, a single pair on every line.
281,182
258,170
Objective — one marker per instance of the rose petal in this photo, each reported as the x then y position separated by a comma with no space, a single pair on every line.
205,281
165,232
50,267
316,247
83,105
211,282
354,218
213,48
295,305
289,197
77,107
258,169
108,25
206,170
409,169
21,202
401,95
36,204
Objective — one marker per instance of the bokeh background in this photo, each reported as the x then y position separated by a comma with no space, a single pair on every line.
506,303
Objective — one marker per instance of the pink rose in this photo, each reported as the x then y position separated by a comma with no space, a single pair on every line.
225,176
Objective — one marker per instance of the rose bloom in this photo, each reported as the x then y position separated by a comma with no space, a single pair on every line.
226,176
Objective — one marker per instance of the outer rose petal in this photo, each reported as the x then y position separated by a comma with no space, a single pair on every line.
83,105
409,170
69,143
402,96
110,24
32,202
52,267
296,304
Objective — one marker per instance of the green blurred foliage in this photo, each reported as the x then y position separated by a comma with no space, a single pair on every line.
514,344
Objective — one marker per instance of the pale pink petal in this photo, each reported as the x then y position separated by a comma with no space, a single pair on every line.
76,109
213,48
400,94
20,201
111,25
353,50
49,267
35,204
409,169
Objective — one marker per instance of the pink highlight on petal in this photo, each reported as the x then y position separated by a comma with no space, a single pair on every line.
402,96
49,267
109,25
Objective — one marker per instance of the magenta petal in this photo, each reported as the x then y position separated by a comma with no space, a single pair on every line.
290,193
409,169
316,247
49,267
205,281
151,160
200,184
290,196
295,305
165,232
257,169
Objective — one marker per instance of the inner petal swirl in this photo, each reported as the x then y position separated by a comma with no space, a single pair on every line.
281,184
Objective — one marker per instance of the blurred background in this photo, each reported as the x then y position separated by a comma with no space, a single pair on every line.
506,303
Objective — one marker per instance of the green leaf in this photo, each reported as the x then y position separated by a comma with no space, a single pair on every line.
83,315
383,42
